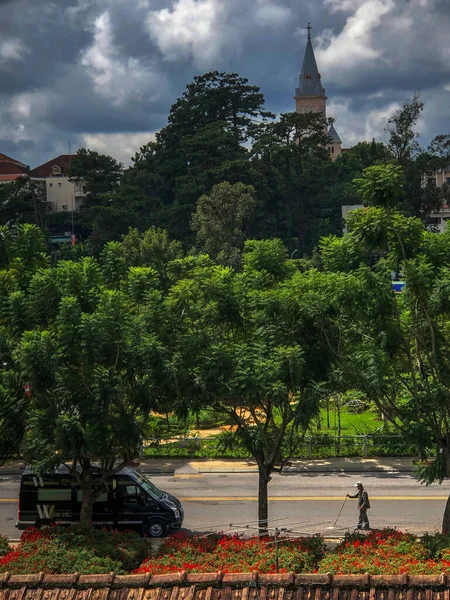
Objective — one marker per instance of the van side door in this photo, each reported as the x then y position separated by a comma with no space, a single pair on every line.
132,504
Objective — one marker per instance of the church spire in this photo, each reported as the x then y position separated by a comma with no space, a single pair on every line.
309,82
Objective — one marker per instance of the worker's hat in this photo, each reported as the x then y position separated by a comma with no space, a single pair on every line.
358,483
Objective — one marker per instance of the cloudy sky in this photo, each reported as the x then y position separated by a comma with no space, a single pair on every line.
104,73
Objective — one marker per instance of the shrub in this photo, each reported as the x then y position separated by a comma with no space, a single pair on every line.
436,544
76,549
126,547
4,545
50,557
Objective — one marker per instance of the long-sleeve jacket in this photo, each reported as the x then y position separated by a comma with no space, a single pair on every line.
363,499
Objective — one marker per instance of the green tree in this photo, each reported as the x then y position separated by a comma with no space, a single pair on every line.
21,201
348,167
99,173
152,248
421,198
402,138
440,146
375,235
292,173
202,145
241,345
381,185
219,219
91,357
211,98
394,347
107,210
394,350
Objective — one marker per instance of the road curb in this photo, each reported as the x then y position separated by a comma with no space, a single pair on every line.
289,470
149,471
305,470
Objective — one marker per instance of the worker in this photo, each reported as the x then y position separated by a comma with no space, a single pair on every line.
363,505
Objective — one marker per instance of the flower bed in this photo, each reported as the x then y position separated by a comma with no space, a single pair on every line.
232,554
75,550
388,552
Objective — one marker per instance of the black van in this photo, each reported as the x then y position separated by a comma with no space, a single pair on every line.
131,502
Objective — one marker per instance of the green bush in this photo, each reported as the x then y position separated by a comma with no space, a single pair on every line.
76,549
207,418
126,547
435,544
50,557
4,545
209,448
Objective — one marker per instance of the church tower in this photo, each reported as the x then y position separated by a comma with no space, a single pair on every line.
310,95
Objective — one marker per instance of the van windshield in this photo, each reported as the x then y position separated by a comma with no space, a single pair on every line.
148,486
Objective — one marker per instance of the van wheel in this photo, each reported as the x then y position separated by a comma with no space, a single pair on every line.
44,523
156,528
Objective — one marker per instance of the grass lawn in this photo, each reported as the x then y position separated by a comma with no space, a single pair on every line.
351,424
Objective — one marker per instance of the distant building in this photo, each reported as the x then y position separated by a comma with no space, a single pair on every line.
11,169
310,96
61,194
438,220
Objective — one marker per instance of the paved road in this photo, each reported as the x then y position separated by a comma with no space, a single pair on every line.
303,502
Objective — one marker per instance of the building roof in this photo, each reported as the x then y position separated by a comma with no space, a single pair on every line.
309,81
46,170
223,586
4,178
333,134
11,166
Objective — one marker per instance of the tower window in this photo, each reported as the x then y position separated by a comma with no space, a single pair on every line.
307,76
332,149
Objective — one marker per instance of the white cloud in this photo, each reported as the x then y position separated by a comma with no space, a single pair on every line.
269,14
23,117
189,30
207,32
353,127
335,6
353,50
122,146
12,50
118,78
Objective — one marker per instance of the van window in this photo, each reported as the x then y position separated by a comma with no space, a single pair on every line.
101,498
129,492
148,486
128,489
54,495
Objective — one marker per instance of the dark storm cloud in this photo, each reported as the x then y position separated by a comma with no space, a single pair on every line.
83,70
50,42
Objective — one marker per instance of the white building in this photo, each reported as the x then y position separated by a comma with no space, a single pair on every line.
61,194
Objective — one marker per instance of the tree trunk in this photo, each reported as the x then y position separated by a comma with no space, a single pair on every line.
87,502
338,406
338,403
446,519
263,500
